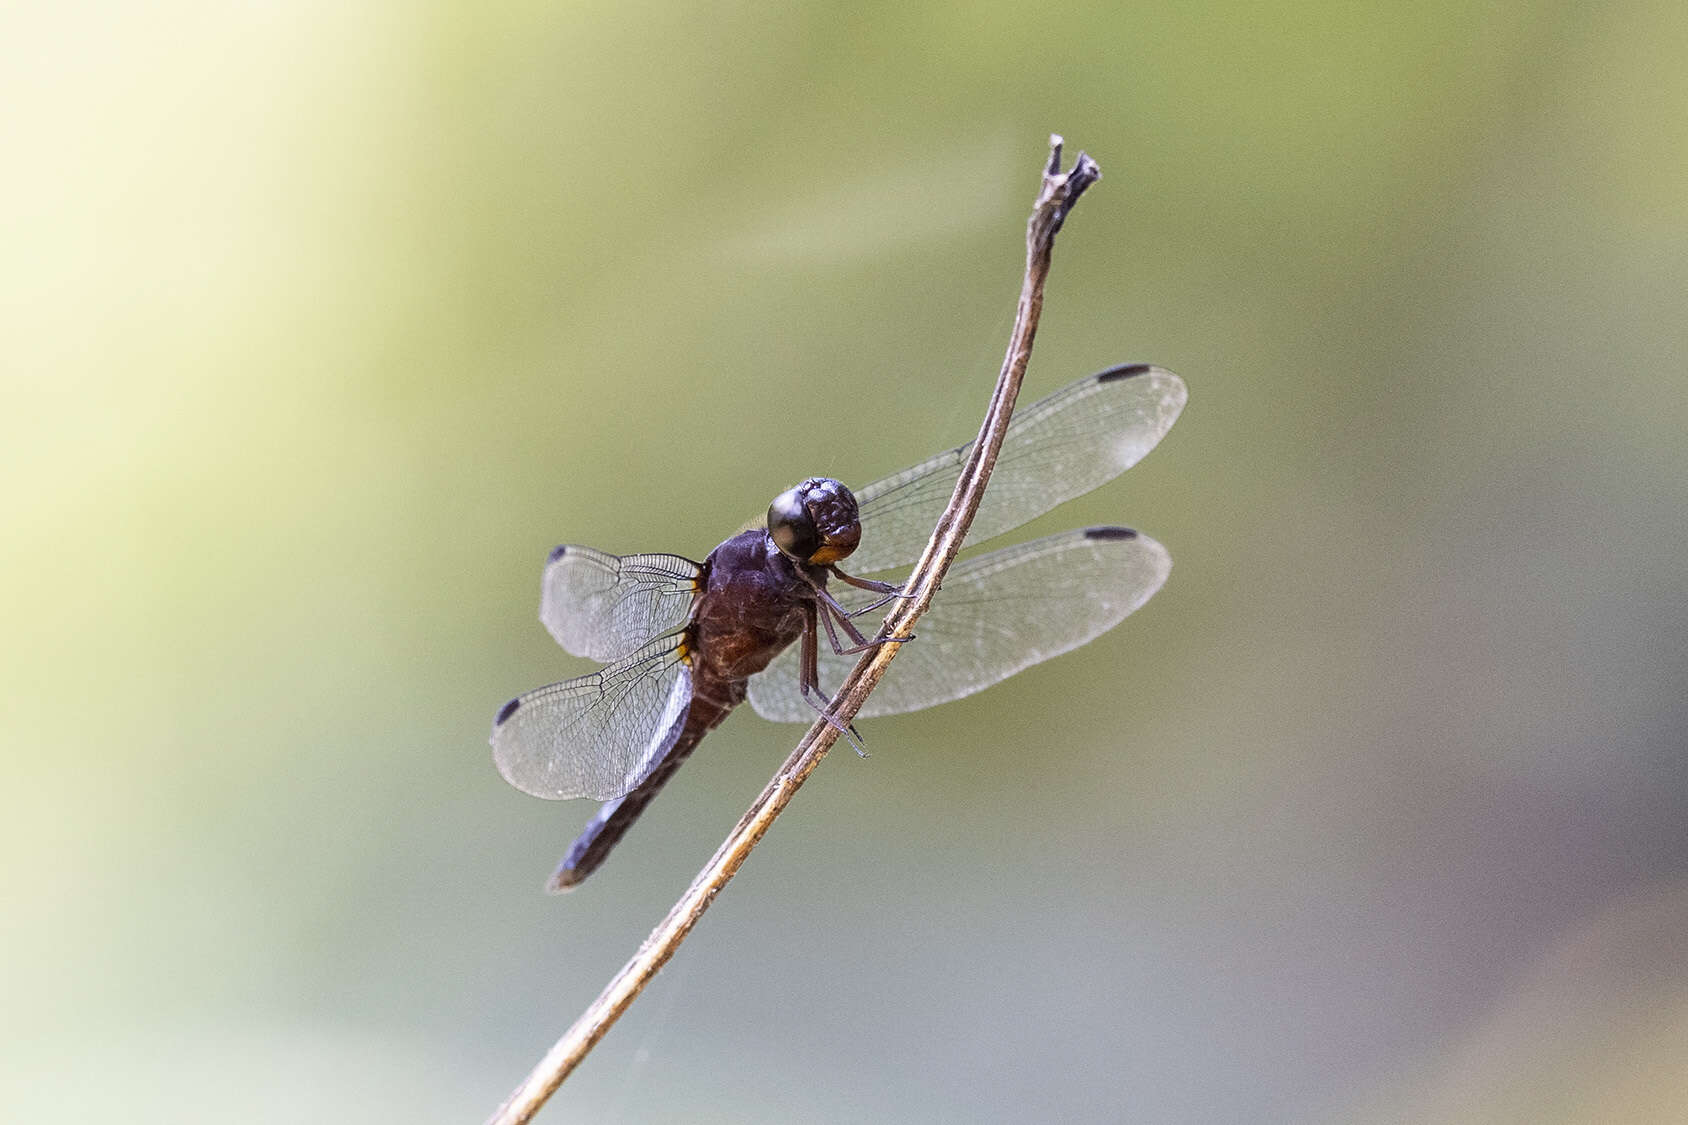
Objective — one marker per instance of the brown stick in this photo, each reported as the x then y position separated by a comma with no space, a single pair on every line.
1059,191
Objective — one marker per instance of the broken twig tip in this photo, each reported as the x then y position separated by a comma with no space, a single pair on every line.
1085,172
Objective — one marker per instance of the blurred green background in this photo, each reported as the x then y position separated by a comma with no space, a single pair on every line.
323,323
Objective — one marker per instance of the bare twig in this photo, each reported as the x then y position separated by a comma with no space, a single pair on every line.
1056,197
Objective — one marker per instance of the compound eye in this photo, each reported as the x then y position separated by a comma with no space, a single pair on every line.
793,529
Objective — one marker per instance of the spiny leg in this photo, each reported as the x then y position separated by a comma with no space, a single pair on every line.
809,681
872,584
830,610
891,591
871,606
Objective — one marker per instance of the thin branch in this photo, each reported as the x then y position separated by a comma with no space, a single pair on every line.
1056,197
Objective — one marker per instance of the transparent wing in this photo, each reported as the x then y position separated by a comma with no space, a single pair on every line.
595,736
1060,447
605,606
997,614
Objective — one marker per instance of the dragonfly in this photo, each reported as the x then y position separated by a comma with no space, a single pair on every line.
684,643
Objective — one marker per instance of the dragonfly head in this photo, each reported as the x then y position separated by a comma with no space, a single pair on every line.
816,522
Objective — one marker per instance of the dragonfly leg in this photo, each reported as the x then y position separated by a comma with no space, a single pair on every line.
809,683
867,583
891,591
830,611
871,606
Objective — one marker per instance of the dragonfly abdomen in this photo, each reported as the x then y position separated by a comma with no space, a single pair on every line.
712,702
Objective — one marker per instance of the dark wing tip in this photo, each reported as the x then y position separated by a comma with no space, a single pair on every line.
505,712
1124,371
556,553
1097,533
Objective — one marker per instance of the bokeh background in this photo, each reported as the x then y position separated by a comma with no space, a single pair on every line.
323,323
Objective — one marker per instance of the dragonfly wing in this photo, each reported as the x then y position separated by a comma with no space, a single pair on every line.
604,606
997,614
596,735
1077,439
